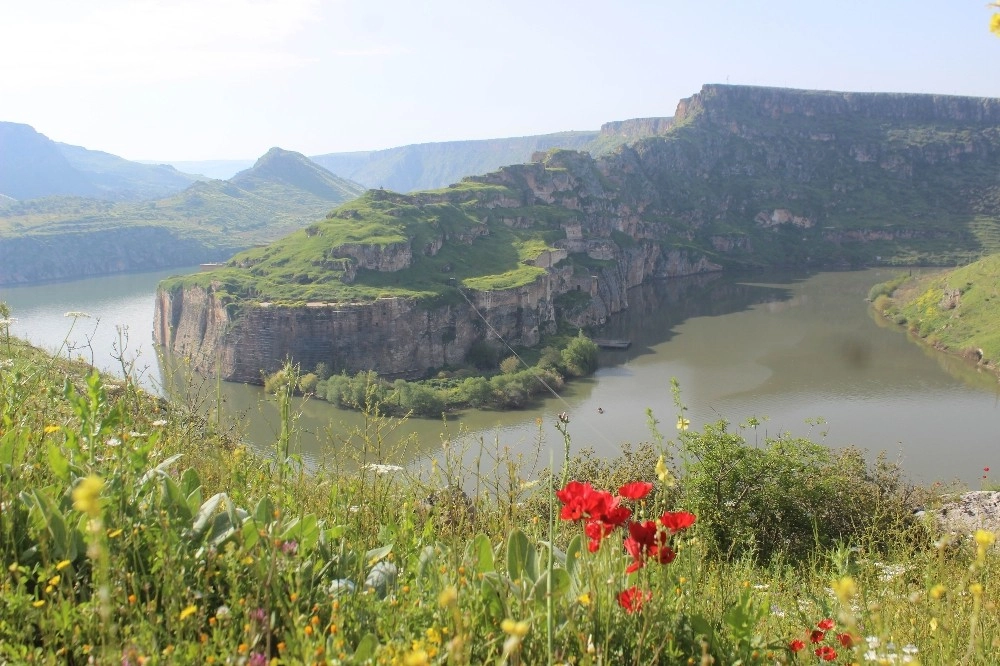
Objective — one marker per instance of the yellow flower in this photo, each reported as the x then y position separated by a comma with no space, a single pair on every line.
683,423
448,596
938,591
114,534
86,495
188,612
985,538
62,565
663,473
584,599
55,580
39,603
52,428
417,658
976,590
519,629
995,24
845,589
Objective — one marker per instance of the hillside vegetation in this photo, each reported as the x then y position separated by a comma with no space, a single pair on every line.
66,237
956,311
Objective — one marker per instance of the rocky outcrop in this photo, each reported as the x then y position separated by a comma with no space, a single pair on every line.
744,177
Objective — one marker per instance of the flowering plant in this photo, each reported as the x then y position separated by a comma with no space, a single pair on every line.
601,512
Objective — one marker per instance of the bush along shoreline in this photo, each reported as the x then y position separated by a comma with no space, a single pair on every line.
489,383
136,531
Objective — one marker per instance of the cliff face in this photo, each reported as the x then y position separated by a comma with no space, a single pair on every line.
744,177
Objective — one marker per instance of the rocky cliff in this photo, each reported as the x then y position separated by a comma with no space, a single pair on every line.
744,177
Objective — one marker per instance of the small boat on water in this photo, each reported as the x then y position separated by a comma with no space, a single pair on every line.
605,343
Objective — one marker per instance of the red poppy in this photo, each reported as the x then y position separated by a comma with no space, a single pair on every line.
633,599
816,636
581,501
826,625
986,469
826,653
635,490
796,645
677,521
845,639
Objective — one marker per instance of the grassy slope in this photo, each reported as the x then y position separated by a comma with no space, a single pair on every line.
301,267
957,309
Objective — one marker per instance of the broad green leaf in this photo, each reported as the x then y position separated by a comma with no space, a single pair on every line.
205,515
519,553
574,553
480,551
365,651
560,585
58,463
376,554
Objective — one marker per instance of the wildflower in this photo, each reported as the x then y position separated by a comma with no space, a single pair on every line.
826,653
383,469
816,636
976,590
796,645
845,589
259,615
677,521
995,24
55,580
257,659
563,417
448,596
826,625
663,473
683,423
39,603
519,629
845,639
159,423
635,490
52,428
62,565
289,547
633,599
584,599
938,591
86,494
114,534
417,658
188,612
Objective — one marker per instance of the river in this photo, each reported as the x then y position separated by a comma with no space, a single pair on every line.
803,353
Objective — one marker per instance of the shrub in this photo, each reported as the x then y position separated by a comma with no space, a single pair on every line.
580,356
787,496
510,365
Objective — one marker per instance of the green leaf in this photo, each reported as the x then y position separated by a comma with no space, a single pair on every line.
519,556
560,585
574,553
366,649
58,463
480,551
206,514
376,554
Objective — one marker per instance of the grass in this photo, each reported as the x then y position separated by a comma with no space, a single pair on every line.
137,531
956,310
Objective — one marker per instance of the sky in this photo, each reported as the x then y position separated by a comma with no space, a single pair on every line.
171,80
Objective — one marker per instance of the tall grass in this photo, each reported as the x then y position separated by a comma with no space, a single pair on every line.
136,531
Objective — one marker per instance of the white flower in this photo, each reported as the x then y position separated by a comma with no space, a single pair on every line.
159,423
113,441
222,612
383,469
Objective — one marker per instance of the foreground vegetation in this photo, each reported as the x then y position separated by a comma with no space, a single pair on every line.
135,531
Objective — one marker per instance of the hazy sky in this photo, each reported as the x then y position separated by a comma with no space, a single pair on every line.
215,79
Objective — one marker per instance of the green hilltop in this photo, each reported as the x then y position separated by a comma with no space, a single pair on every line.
66,237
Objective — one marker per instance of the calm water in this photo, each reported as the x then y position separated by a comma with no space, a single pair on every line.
803,353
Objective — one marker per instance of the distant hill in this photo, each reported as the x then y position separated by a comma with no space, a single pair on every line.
67,237
428,166
32,166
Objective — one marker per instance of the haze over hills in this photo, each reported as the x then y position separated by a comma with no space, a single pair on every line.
429,166
70,237
33,166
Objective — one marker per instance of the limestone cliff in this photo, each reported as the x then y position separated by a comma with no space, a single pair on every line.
744,177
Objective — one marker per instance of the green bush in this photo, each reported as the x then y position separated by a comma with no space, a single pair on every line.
787,496
580,356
